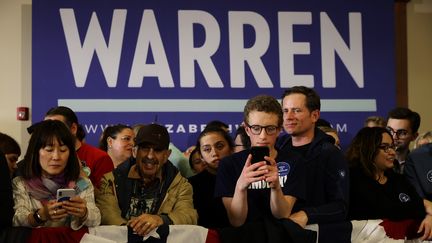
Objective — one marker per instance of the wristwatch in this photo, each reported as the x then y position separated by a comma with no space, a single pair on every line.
37,217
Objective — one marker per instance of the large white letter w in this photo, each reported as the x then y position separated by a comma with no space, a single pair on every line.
81,55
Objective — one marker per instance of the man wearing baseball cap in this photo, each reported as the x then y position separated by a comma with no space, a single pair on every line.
149,192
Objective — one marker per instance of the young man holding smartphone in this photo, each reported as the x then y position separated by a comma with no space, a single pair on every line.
252,192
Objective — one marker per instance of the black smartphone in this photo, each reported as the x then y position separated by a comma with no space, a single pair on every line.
258,153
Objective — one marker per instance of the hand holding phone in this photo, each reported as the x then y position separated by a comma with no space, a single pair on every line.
64,194
258,153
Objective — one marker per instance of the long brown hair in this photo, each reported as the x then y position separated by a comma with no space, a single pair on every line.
364,148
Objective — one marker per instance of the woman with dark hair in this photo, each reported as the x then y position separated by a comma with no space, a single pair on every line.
11,150
118,142
51,163
214,143
241,139
6,202
196,163
376,192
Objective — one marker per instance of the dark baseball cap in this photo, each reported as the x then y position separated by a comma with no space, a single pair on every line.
153,134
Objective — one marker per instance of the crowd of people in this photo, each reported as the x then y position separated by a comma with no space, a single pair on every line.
138,178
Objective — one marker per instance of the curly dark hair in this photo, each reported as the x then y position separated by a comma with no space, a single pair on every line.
263,103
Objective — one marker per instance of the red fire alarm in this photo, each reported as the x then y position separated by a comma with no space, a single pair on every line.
22,113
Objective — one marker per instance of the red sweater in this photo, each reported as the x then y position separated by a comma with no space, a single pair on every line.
97,160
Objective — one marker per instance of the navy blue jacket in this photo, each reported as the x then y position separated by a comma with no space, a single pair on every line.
418,170
327,184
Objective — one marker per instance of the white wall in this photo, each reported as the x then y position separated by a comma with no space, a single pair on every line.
419,31
15,63
15,67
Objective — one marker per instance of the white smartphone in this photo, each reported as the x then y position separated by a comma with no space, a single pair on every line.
65,194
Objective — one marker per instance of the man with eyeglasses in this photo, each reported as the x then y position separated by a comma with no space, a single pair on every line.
326,169
149,193
264,190
403,125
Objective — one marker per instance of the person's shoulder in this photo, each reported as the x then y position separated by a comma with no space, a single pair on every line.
177,180
325,149
399,181
84,179
18,184
204,175
126,165
424,150
199,178
97,157
83,183
239,155
282,140
359,178
420,157
235,158
18,180
395,176
95,152
233,163
325,142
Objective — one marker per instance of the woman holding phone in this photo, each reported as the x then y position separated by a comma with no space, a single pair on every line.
50,167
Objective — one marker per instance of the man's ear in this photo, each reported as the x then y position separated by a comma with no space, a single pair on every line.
74,129
315,115
415,135
169,152
109,142
247,130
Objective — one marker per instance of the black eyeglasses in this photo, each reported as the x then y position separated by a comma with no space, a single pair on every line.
386,147
256,129
400,133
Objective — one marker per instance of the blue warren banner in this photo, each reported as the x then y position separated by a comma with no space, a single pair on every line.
185,63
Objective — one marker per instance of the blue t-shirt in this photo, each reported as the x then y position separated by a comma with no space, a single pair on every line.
291,178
